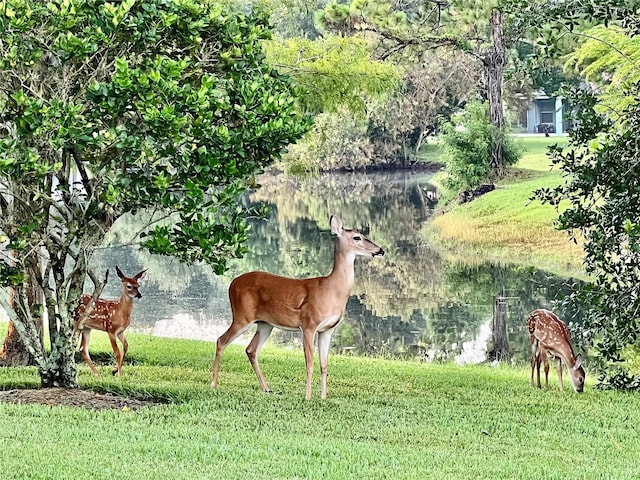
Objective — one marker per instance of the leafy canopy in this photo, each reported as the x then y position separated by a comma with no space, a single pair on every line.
610,58
333,72
156,104
165,108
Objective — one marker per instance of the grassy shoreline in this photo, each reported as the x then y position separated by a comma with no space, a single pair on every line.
383,419
505,226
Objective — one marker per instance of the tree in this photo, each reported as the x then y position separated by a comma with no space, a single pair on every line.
337,80
395,126
333,73
292,18
165,107
602,171
433,91
406,31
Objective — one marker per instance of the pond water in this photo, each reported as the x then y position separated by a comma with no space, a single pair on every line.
411,303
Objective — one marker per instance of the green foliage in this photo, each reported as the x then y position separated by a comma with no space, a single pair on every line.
338,81
163,128
406,31
602,170
292,18
335,72
406,21
395,127
468,21
400,125
610,58
11,276
467,142
106,109
549,76
336,142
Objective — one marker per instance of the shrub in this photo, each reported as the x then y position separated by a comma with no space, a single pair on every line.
466,147
336,142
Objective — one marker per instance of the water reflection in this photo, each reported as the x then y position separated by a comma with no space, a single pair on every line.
409,304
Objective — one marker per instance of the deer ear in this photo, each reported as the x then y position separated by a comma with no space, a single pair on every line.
119,272
578,363
336,225
141,275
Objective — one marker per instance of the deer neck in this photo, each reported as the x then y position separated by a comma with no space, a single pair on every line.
125,303
343,274
566,354
570,359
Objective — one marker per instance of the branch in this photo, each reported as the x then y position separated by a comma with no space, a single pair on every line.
86,181
429,43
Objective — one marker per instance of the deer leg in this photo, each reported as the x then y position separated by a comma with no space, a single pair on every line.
535,361
546,370
559,369
125,344
118,354
125,347
263,331
235,330
307,345
84,350
324,341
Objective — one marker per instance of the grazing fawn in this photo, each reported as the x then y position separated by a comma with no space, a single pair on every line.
111,316
549,334
313,305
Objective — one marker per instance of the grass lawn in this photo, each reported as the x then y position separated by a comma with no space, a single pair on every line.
383,419
504,225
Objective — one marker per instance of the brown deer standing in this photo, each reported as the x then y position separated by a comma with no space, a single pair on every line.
111,316
313,305
549,334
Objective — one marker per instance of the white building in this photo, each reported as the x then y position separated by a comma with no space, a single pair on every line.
543,114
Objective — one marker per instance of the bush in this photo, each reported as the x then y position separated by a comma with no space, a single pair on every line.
466,147
336,142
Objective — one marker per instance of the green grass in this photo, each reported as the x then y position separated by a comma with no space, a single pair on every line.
535,152
430,151
383,419
504,225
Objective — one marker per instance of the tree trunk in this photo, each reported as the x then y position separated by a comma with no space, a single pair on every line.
421,139
14,351
61,368
494,62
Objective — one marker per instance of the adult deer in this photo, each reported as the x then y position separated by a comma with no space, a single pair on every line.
313,305
549,334
111,316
